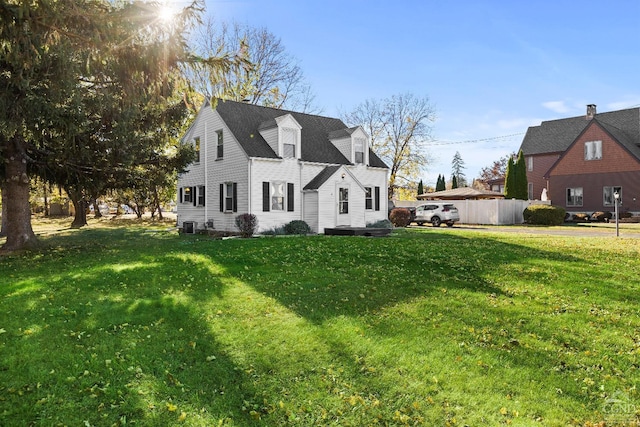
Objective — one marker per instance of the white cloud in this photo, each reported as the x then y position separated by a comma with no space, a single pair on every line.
556,106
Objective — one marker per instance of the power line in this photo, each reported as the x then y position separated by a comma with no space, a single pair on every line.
474,141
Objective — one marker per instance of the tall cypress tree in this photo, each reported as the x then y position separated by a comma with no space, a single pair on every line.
441,185
454,182
522,191
509,180
420,188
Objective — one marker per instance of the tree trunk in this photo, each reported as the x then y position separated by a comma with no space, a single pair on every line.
3,227
156,201
20,235
96,209
80,206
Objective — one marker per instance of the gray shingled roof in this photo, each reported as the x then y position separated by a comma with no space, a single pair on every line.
555,136
321,178
245,120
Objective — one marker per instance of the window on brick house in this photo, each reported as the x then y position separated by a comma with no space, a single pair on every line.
593,150
574,196
607,195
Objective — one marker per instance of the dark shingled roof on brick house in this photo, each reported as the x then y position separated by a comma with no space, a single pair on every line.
245,120
555,136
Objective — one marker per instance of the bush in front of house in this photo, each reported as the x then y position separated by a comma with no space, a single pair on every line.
297,226
580,217
383,223
400,217
601,216
544,215
247,224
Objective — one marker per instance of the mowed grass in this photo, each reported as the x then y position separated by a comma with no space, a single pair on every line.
138,325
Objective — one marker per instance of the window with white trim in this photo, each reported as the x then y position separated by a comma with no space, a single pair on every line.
574,196
358,150
593,150
196,147
530,163
608,195
368,198
220,145
186,195
229,197
277,195
201,195
289,142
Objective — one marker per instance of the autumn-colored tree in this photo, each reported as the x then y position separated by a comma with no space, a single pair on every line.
496,170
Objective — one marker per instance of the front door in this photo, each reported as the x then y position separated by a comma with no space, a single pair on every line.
343,205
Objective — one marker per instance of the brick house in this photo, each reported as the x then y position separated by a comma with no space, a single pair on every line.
582,161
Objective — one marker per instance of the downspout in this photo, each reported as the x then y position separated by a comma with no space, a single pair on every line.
249,184
206,175
300,192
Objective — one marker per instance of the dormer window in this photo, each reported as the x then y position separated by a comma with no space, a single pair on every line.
289,142
358,150
196,147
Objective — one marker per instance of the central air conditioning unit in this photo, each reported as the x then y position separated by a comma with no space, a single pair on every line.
189,227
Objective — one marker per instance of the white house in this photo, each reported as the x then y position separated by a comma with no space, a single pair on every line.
280,166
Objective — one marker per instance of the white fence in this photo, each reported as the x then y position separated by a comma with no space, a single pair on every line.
489,211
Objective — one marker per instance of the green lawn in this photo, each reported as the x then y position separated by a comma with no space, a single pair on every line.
137,325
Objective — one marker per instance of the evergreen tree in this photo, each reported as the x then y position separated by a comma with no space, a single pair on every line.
457,167
522,191
420,188
440,184
454,182
509,180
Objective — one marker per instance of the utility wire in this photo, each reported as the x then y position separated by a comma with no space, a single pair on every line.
473,141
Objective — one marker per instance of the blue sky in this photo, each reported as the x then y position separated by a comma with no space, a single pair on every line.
490,68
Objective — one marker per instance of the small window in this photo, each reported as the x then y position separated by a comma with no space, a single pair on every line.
608,194
368,198
187,195
220,146
593,150
196,146
201,195
229,197
358,150
530,163
289,142
574,196
530,190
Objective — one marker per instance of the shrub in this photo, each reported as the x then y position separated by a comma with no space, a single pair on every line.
625,214
601,216
544,215
383,223
297,227
580,217
247,224
400,217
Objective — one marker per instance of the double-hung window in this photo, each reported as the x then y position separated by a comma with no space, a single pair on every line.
368,198
358,150
278,196
220,146
196,147
289,143
574,196
229,197
186,193
608,195
201,195
593,150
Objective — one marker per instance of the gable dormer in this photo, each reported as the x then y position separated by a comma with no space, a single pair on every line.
283,136
353,143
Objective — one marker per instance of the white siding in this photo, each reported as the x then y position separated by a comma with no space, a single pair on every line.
233,167
344,145
264,170
310,200
271,136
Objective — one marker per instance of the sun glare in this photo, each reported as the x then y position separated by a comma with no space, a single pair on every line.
167,12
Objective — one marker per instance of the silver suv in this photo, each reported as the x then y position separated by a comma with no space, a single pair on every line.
437,213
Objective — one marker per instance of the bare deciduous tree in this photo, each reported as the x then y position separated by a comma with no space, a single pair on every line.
399,127
269,76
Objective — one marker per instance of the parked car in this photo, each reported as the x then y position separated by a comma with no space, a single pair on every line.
437,213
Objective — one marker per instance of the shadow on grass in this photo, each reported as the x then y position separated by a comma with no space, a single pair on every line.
102,329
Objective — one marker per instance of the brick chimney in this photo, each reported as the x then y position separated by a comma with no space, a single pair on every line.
591,111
